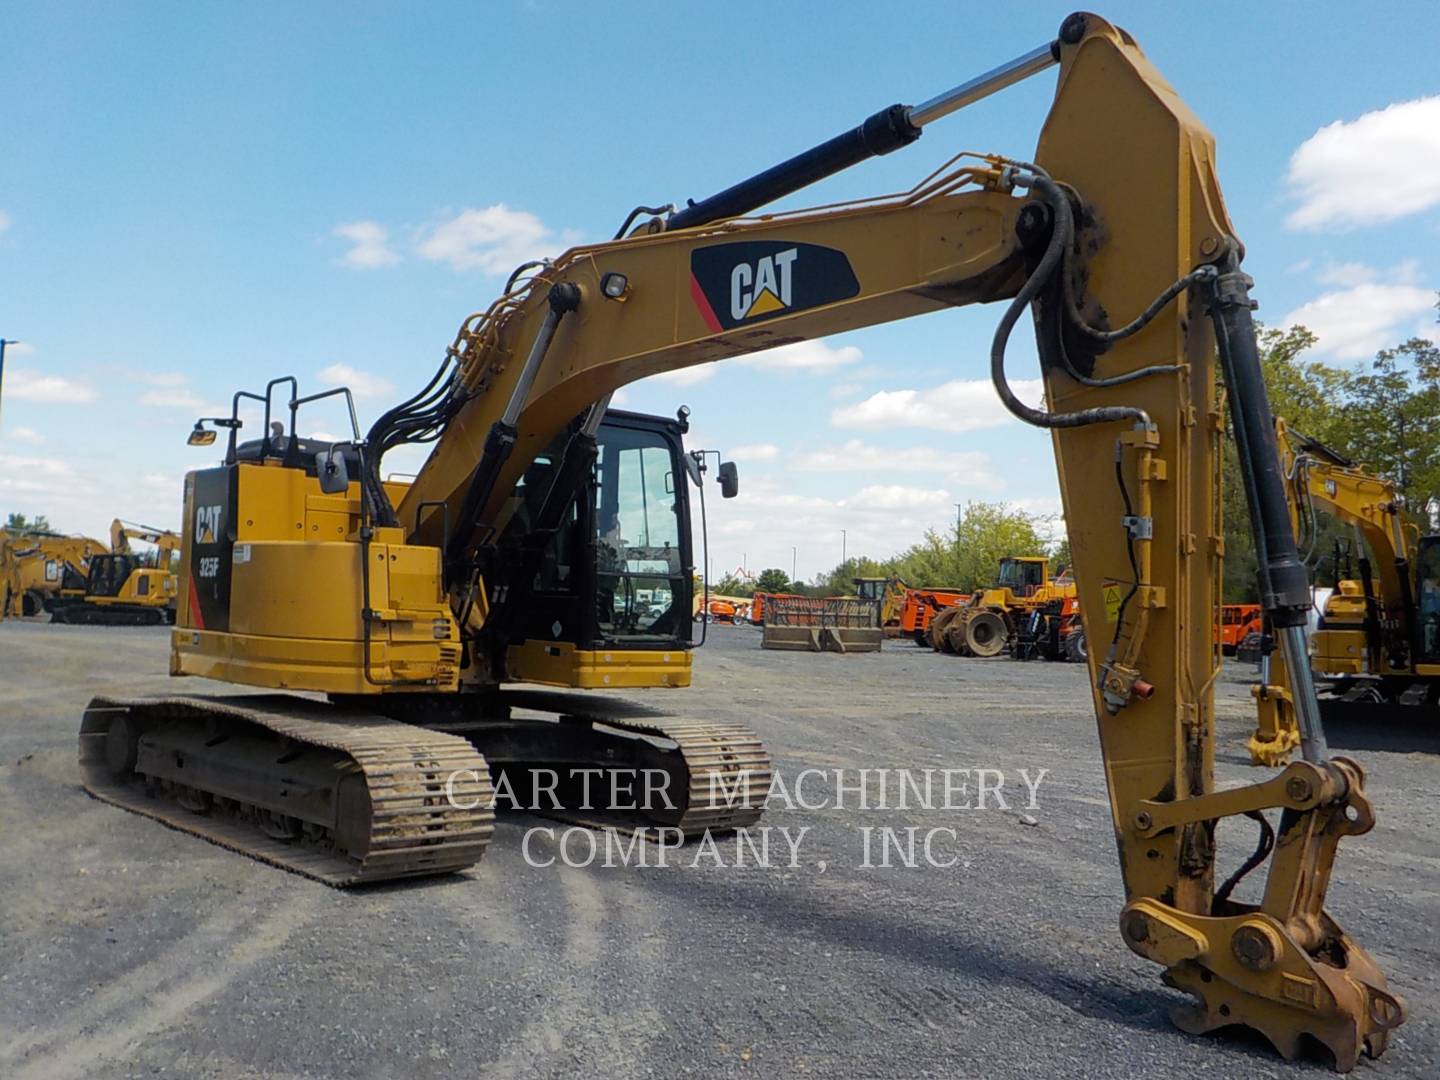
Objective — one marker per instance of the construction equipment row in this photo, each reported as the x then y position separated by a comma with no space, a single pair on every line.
78,580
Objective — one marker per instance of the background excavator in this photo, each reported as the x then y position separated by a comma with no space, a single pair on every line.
34,573
513,556
1377,648
123,587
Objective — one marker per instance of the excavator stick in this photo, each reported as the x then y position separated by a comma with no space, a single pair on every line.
1282,967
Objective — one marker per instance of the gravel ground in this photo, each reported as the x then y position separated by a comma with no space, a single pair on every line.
127,949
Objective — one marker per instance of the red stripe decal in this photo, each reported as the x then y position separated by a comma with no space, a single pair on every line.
706,311
197,620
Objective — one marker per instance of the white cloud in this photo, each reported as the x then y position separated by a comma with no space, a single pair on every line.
19,348
12,466
855,456
22,384
166,378
4,221
803,356
494,240
963,468
1350,274
687,376
1357,322
27,435
1346,275
163,483
619,399
361,383
1383,166
177,398
754,452
769,516
897,497
369,245
957,406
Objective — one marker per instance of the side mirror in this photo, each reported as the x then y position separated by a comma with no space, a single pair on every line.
693,467
330,469
200,436
729,478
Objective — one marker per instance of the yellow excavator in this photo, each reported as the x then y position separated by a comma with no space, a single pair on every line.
9,578
33,577
1378,643
123,587
513,556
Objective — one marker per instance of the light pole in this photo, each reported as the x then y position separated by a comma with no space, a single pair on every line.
792,564
3,343
843,558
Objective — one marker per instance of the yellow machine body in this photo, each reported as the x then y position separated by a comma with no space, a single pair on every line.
285,612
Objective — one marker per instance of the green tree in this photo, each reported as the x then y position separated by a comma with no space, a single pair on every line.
731,585
1060,556
1394,419
965,556
987,533
841,580
1385,416
19,523
772,580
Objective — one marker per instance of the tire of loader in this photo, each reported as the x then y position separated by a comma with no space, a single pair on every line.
935,633
955,636
1075,648
986,633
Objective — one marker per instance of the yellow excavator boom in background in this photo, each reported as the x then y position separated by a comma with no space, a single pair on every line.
1378,645
518,553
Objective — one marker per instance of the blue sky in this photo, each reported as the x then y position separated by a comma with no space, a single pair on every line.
195,198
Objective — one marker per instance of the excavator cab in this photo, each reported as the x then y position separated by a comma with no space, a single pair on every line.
618,572
108,573
1022,576
1427,579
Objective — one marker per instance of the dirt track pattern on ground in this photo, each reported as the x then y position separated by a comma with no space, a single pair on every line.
130,949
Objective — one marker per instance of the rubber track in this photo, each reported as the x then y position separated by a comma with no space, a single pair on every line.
416,829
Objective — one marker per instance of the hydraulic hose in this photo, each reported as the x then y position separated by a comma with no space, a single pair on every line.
1060,233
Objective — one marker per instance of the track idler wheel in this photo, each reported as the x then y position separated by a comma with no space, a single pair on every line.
986,633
